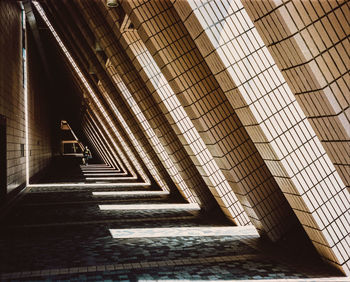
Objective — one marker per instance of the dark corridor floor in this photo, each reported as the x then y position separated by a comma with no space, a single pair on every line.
68,233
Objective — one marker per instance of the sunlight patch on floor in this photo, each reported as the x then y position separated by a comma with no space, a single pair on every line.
98,168
111,178
183,232
318,279
102,174
130,193
82,184
191,206
103,171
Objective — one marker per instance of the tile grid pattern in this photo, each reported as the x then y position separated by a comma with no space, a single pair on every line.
12,104
40,148
152,136
106,150
135,86
81,247
216,122
147,161
11,91
100,119
99,146
142,145
279,128
127,121
120,220
170,142
310,44
210,171
96,145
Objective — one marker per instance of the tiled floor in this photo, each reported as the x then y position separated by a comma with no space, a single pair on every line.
54,234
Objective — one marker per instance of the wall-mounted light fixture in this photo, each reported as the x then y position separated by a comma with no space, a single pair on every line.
112,3
92,69
98,47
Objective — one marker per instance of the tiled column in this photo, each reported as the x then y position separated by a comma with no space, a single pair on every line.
101,144
101,136
106,128
192,141
11,91
224,195
211,113
122,150
93,141
156,169
196,186
269,111
101,133
127,118
153,139
116,122
309,41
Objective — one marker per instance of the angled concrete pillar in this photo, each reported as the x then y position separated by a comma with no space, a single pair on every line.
122,111
110,144
213,116
309,41
154,83
113,123
265,104
105,35
100,143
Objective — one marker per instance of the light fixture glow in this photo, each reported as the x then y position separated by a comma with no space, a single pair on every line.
112,3
98,47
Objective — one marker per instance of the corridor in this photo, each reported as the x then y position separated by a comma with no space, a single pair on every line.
66,232
174,140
